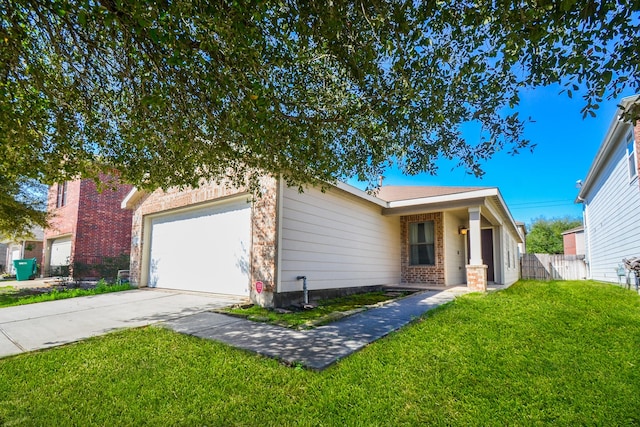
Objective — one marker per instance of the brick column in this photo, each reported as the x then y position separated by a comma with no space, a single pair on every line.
477,277
264,244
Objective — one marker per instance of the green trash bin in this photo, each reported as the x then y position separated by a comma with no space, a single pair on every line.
25,268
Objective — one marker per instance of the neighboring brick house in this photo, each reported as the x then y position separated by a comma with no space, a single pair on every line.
573,241
88,230
343,240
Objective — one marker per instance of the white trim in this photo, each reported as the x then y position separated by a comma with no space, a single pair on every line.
488,192
130,198
607,146
362,194
280,207
631,142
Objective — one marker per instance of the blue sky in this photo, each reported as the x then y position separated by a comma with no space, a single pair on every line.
542,182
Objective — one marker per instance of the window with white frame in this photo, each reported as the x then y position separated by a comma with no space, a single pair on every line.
631,155
422,243
62,195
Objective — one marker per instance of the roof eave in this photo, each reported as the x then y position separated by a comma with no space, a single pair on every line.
604,151
131,198
486,192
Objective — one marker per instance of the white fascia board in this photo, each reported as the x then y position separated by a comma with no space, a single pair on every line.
131,198
604,151
485,192
362,194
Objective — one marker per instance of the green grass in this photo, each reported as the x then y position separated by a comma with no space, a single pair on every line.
561,353
9,296
326,311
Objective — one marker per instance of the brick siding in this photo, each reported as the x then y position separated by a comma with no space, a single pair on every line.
63,219
103,228
425,274
569,243
98,226
477,277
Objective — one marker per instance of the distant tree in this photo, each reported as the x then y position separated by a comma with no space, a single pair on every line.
23,206
545,236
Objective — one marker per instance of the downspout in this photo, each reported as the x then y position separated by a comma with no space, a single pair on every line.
304,288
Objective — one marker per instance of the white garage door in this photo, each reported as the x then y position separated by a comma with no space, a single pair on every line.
60,252
202,250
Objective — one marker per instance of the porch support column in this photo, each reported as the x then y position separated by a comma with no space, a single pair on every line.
476,270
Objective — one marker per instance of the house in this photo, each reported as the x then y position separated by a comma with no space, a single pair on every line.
29,247
610,195
343,240
88,229
573,241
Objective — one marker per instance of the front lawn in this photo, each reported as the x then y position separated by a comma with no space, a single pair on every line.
9,296
323,312
564,353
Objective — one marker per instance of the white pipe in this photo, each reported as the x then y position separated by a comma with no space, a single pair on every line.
304,288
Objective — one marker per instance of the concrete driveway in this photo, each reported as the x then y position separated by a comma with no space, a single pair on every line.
48,324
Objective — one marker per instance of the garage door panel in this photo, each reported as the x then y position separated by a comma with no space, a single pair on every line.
60,252
204,250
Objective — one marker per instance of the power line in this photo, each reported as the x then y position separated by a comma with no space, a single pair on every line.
540,207
538,202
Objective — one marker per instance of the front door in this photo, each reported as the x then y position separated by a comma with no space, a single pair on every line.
487,253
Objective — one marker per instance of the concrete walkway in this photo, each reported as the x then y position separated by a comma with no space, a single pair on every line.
315,348
48,324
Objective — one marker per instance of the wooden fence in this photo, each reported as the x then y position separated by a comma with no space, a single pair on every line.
553,267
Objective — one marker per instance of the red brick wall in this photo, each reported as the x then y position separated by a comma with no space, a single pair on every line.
35,251
103,228
569,243
65,218
427,274
98,226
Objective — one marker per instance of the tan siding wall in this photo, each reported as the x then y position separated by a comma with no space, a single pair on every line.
337,241
510,261
454,250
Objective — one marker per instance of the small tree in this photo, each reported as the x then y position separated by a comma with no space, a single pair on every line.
545,236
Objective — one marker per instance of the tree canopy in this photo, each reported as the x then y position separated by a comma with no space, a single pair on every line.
22,206
172,92
545,236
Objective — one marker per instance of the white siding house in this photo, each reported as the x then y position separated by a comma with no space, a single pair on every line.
611,197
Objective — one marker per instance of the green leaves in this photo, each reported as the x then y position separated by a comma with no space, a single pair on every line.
545,236
171,93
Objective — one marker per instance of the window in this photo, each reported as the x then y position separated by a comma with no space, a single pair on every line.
421,243
631,156
62,195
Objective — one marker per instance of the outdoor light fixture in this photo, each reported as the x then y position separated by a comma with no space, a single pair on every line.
462,229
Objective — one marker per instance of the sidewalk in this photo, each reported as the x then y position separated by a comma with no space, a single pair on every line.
317,348
48,324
